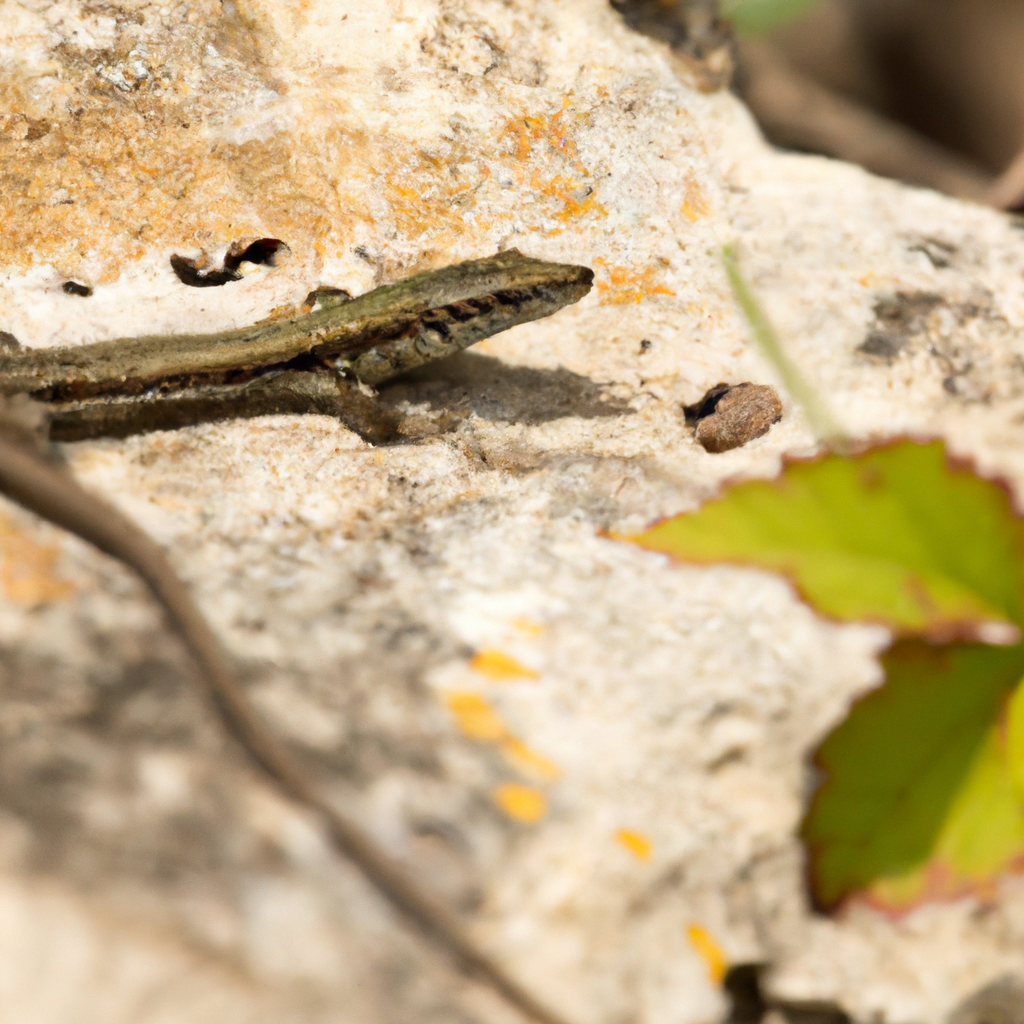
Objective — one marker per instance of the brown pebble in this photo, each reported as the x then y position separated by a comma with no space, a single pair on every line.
730,415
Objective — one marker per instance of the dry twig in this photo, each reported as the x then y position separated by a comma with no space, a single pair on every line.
1007,192
796,111
30,479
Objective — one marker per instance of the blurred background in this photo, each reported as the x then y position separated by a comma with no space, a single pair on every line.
927,91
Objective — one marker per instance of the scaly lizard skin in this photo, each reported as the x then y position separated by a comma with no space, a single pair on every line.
307,363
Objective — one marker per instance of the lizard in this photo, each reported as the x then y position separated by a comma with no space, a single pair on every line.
321,361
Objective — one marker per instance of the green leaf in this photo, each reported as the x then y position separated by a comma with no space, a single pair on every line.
922,791
982,836
908,781
755,17
1015,741
897,534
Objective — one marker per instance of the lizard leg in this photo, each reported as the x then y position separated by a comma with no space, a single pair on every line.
287,391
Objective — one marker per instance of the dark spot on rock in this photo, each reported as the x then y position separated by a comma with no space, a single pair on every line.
731,415
21,128
970,341
74,288
646,345
898,319
196,273
749,1004
940,254
270,251
882,346
36,129
742,984
201,273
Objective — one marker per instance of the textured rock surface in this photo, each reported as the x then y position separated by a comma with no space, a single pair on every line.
440,626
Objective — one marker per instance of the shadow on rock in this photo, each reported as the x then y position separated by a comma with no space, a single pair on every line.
472,384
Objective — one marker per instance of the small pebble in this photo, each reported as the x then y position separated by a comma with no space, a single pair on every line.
730,415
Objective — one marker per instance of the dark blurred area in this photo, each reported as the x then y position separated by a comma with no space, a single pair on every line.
927,91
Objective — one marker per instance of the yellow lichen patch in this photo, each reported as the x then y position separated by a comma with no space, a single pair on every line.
521,802
546,159
623,286
695,204
575,199
474,717
120,178
528,762
477,720
425,200
27,568
709,951
97,171
636,842
500,667
185,161
552,131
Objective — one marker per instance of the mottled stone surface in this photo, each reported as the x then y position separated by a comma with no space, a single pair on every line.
590,751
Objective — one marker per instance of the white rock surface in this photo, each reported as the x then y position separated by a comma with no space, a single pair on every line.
149,874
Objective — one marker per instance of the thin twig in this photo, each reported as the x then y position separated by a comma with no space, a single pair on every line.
821,419
41,486
798,112
1007,192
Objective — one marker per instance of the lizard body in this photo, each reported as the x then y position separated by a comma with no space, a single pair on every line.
128,385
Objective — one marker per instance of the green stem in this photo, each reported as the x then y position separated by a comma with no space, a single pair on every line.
817,412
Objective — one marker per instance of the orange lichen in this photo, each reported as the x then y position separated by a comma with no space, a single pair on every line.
623,286
27,569
576,198
474,717
695,204
709,951
426,201
521,802
120,178
528,762
527,626
477,720
549,129
500,667
636,842
548,162
93,175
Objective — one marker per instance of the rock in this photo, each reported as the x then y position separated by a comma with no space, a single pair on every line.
659,715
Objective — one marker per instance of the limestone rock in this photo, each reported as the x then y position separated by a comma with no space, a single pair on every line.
659,715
